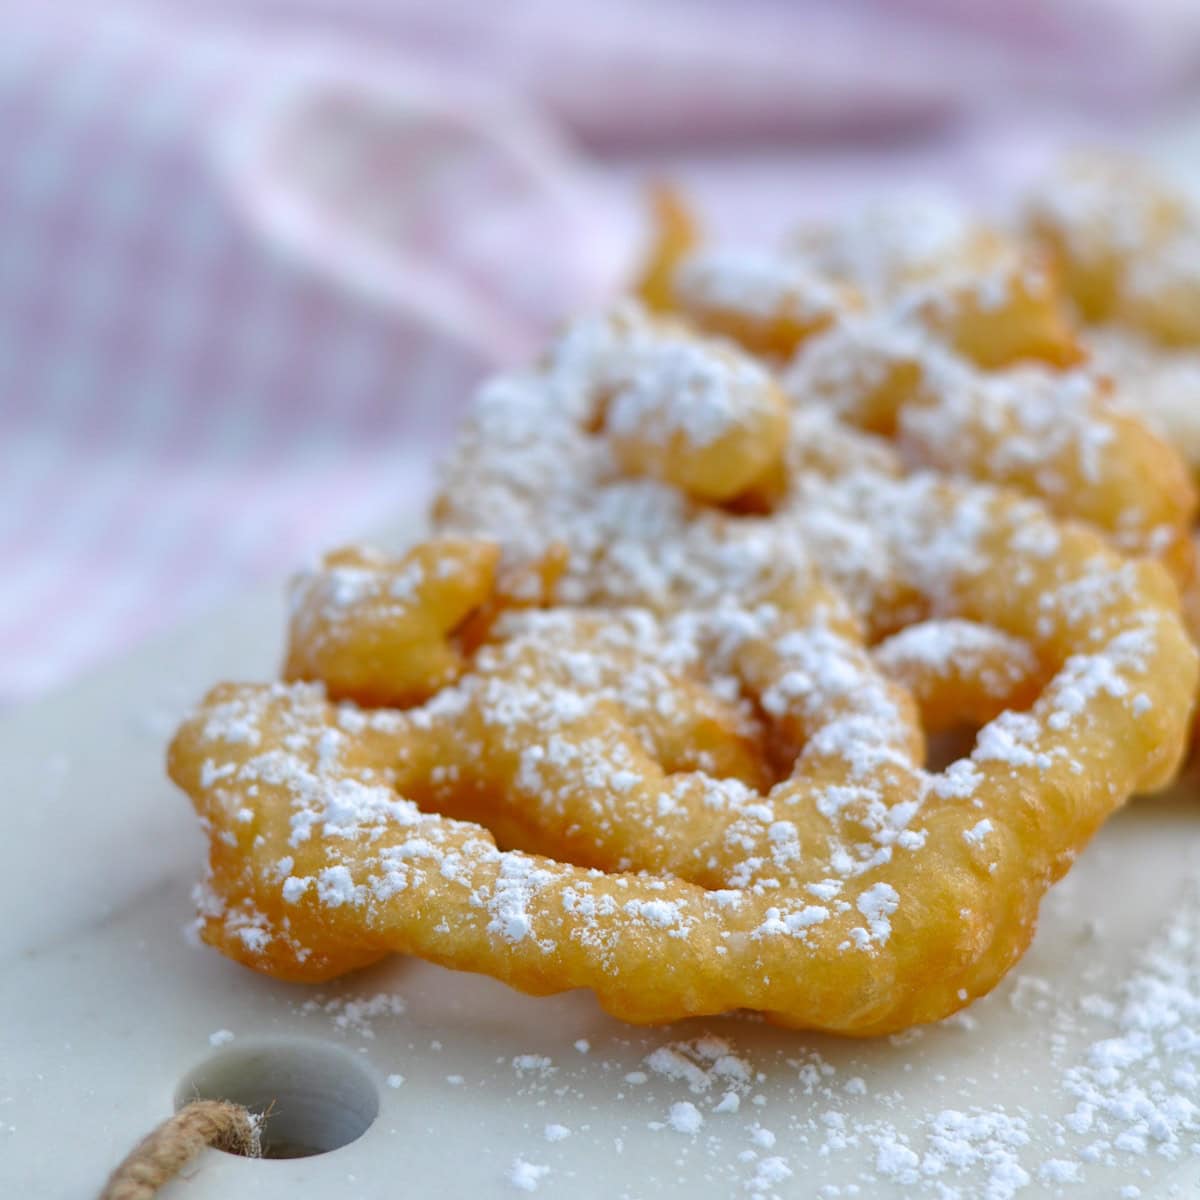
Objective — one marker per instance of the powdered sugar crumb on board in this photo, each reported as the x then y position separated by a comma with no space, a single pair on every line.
1125,1060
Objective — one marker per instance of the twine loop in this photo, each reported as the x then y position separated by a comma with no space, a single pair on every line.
162,1154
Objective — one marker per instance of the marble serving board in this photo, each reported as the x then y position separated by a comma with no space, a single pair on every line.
1074,1078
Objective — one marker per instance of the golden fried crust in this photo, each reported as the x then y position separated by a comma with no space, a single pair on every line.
1060,436
961,673
381,632
1125,240
769,305
959,343
983,296
1126,243
675,233
859,894
1029,323
702,419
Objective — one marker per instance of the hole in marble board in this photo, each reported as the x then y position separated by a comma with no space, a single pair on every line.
318,1097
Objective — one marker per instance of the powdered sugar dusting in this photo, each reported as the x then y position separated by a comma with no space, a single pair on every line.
685,1117
357,1014
526,1176
753,1113
748,281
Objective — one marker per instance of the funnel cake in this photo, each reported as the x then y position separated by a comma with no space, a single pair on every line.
684,765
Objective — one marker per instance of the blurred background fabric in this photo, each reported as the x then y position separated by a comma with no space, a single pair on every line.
255,253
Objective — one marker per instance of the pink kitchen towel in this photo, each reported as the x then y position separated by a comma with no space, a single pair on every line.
244,295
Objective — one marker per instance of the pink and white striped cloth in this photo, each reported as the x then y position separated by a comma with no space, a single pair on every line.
233,326
254,255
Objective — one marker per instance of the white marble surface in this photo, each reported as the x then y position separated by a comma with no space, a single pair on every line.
105,1007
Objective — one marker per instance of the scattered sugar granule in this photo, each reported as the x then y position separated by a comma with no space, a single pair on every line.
583,1045
1060,1170
395,1081
356,1013
685,1117
762,1137
894,1160
525,1176
730,1103
976,835
671,1063
454,1080
700,1064
984,1140
768,1173
532,1062
222,1037
555,1133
